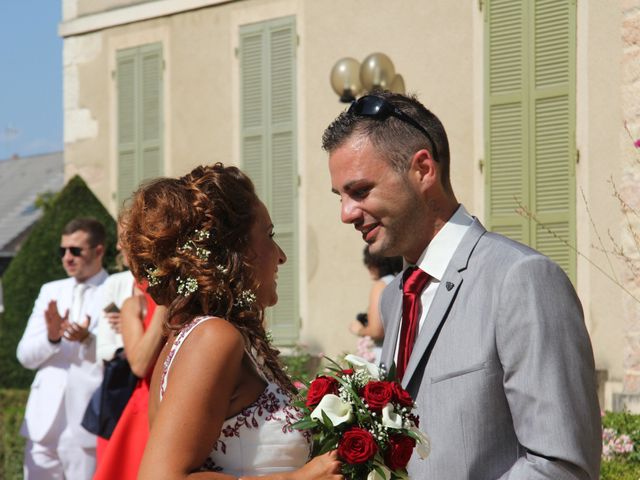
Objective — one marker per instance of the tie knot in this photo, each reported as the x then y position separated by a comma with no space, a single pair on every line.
414,280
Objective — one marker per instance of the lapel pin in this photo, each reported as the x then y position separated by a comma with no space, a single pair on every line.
449,286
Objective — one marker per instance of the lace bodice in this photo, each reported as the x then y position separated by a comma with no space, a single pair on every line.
259,440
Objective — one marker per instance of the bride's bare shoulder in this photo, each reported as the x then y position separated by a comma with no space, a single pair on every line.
217,336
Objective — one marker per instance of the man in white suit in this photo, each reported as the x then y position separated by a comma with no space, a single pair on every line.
60,344
486,334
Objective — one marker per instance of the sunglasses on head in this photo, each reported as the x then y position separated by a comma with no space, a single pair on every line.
380,109
75,251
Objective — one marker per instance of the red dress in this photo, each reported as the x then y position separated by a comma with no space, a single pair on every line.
123,453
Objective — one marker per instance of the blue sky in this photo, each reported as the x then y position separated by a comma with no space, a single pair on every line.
30,77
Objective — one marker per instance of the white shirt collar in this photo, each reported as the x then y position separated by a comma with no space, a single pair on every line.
436,256
96,280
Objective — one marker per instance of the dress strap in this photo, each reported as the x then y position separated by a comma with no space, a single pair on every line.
258,363
177,343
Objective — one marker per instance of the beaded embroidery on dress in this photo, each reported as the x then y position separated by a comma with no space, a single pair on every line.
259,440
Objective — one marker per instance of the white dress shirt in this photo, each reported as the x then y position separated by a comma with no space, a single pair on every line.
435,259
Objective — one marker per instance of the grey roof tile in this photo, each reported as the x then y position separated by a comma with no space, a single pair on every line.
21,181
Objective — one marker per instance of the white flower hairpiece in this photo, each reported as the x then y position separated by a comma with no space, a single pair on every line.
190,245
187,286
152,276
222,269
245,299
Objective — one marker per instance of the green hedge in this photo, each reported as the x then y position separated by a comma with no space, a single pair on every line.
12,404
36,263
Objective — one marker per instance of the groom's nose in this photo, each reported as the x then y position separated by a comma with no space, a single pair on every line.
349,210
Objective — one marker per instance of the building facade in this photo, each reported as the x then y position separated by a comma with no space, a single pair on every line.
537,98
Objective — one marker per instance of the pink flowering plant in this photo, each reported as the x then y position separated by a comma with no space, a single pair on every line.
364,414
615,444
620,436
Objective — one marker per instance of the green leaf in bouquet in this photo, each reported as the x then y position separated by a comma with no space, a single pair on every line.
305,424
326,420
380,471
330,442
400,475
301,405
334,365
412,434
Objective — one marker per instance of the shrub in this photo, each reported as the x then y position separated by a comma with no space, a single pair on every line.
12,404
621,446
36,263
300,364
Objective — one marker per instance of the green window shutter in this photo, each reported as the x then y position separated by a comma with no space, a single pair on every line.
268,143
506,119
151,111
253,108
552,119
139,97
127,149
530,118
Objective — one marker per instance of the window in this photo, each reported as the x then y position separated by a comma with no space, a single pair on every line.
530,123
268,149
139,103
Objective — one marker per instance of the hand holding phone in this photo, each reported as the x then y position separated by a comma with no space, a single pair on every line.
111,308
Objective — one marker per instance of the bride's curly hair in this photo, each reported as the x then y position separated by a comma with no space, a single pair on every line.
160,235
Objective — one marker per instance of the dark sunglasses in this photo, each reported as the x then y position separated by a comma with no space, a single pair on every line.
75,251
378,108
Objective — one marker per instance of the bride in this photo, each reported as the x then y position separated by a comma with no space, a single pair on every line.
219,398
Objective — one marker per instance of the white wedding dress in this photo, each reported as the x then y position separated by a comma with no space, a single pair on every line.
259,440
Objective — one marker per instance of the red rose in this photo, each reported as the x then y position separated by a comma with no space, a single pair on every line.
399,451
347,371
377,394
401,396
320,387
357,446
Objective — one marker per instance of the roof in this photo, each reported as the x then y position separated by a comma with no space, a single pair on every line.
21,181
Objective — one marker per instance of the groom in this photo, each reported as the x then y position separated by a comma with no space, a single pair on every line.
487,334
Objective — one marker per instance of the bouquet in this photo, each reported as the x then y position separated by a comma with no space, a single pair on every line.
366,416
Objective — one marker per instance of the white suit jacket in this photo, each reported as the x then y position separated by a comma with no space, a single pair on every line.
67,372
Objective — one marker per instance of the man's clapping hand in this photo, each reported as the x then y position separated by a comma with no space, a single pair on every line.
55,322
76,332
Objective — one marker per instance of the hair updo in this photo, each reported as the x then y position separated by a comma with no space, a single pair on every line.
189,237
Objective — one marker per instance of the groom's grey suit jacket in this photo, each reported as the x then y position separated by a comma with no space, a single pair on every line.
502,370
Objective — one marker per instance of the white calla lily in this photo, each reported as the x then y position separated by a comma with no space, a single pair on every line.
360,363
335,408
423,446
390,418
374,475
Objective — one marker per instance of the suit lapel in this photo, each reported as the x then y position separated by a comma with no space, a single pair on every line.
393,313
443,300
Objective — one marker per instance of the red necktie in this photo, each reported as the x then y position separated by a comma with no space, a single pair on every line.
412,286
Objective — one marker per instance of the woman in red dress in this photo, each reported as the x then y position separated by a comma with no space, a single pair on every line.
143,336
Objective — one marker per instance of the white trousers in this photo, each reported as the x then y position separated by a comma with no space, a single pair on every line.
58,457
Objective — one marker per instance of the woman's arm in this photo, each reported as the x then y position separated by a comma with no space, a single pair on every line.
202,380
204,376
374,328
142,347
